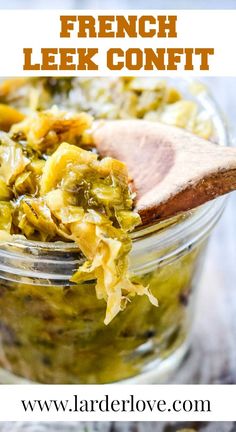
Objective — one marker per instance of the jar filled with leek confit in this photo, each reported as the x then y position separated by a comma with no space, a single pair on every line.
91,291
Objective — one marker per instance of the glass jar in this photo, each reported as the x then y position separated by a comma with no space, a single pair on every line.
52,331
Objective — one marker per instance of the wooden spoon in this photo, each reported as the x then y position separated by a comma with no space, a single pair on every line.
172,170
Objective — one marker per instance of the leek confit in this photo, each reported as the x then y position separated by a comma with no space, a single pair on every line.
52,330
53,186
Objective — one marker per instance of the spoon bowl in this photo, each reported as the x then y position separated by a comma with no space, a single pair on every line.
172,170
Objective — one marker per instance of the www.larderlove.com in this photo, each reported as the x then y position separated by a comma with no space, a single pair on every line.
108,404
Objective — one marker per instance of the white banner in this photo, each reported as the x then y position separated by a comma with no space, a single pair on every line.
203,44
117,403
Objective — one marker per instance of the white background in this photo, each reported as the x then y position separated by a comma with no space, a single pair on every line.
39,29
11,406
